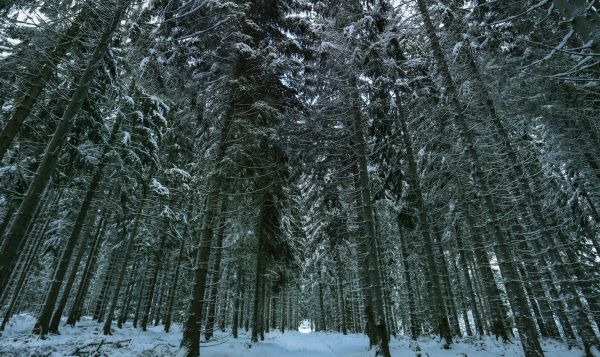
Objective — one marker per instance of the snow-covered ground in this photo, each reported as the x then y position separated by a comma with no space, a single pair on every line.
87,338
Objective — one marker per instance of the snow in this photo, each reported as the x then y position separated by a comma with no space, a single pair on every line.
130,102
126,139
159,188
87,335
244,49
175,171
7,107
144,63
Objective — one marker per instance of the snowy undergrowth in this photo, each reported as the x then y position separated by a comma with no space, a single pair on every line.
87,338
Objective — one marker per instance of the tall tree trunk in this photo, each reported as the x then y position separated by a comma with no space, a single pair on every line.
283,321
462,263
450,301
190,341
104,289
87,274
174,282
140,297
245,307
216,276
340,292
273,317
160,295
55,321
322,319
37,234
363,262
497,311
413,311
376,288
262,236
434,280
128,295
125,258
236,303
224,312
152,286
22,278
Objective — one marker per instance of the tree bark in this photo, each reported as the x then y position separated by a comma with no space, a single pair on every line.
190,341
376,288
462,262
236,303
434,281
20,283
128,295
173,288
150,291
413,311
55,321
262,235
125,258
86,277
216,277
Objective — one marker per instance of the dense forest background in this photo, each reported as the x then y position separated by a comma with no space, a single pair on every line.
388,167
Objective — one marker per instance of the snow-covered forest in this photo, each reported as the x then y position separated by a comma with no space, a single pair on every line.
299,178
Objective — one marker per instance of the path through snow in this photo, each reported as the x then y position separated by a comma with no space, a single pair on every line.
86,337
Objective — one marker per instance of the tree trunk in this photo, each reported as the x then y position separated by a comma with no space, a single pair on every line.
128,295
55,321
125,258
260,268
462,263
140,297
413,311
108,278
273,317
236,303
283,317
216,276
37,234
363,262
434,280
497,311
322,319
20,283
173,288
340,292
450,301
376,288
87,275
159,299
190,341
150,291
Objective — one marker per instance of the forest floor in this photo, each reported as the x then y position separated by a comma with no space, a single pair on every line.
86,339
